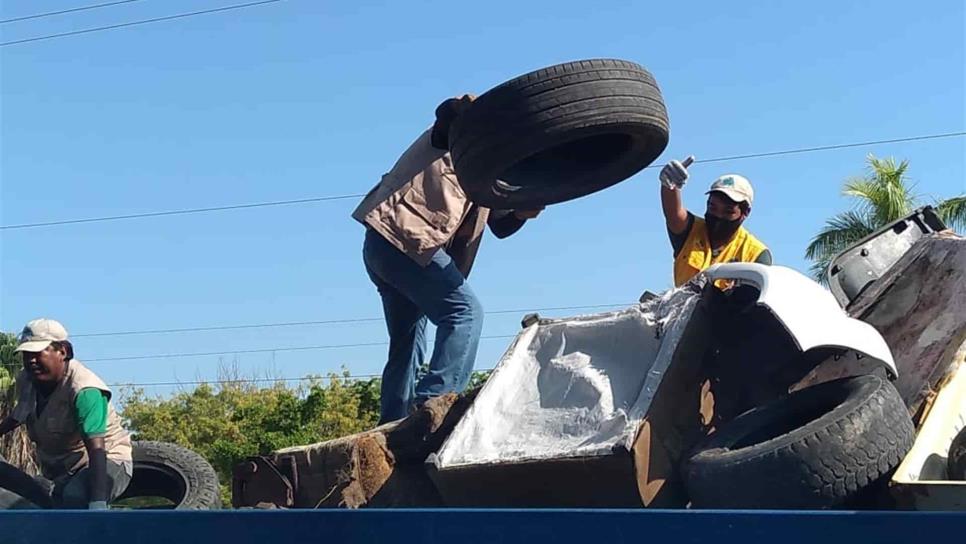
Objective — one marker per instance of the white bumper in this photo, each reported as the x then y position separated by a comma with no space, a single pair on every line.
808,312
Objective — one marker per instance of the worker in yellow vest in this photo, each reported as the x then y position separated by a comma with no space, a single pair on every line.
719,236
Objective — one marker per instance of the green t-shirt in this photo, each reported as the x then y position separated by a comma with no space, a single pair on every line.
91,406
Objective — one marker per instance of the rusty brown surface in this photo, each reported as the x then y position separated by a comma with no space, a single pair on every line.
377,468
918,306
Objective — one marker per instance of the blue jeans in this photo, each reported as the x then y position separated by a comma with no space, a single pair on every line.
410,294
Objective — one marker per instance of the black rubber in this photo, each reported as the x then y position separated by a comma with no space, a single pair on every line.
815,448
17,481
957,457
162,469
559,133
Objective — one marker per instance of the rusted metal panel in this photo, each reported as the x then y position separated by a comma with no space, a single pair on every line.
259,480
377,468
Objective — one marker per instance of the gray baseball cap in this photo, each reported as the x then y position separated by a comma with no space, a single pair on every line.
39,333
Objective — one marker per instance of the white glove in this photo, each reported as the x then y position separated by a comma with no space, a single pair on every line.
675,174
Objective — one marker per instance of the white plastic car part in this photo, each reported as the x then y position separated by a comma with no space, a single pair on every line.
809,313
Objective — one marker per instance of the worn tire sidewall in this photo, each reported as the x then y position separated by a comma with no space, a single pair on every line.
719,444
202,491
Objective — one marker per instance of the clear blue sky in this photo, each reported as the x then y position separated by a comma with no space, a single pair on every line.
301,99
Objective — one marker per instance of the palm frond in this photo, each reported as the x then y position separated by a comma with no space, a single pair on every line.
885,194
838,233
953,212
817,270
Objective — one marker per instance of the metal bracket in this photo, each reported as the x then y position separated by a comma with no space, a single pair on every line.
529,320
258,480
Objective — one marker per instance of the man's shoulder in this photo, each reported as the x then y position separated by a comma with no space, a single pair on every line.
678,240
82,378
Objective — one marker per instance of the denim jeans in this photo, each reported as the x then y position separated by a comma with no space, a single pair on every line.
74,492
411,294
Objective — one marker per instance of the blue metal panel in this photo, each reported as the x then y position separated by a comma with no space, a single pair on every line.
452,526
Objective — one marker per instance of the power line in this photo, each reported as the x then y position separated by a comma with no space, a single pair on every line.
354,196
260,350
256,380
321,322
140,22
831,147
63,11
182,212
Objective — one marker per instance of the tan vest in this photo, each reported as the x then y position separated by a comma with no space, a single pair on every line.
420,208
60,445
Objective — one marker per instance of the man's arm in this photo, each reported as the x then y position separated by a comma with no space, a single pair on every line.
97,464
91,406
673,177
675,215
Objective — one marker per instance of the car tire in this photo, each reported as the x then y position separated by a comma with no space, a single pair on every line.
181,476
559,133
815,448
956,460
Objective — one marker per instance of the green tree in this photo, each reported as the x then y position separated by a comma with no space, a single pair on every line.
233,420
16,447
882,196
478,378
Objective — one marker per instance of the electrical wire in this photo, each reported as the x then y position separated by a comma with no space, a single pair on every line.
135,23
63,11
187,211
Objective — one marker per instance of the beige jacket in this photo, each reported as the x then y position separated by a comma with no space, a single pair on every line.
420,208
60,445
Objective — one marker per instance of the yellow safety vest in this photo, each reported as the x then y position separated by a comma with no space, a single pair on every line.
695,254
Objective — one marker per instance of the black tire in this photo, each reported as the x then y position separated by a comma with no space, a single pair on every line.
815,448
559,133
181,476
957,457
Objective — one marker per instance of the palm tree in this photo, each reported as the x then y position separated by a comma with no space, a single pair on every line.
884,195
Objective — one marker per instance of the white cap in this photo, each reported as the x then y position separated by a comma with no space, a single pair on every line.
39,333
736,187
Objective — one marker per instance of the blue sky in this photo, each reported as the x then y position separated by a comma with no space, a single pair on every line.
302,99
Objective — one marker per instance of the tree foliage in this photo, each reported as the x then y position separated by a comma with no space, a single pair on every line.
15,446
233,420
885,194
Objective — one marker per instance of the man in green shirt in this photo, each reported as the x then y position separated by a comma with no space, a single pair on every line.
81,445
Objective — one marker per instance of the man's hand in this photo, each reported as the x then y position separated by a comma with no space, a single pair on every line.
527,214
675,174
